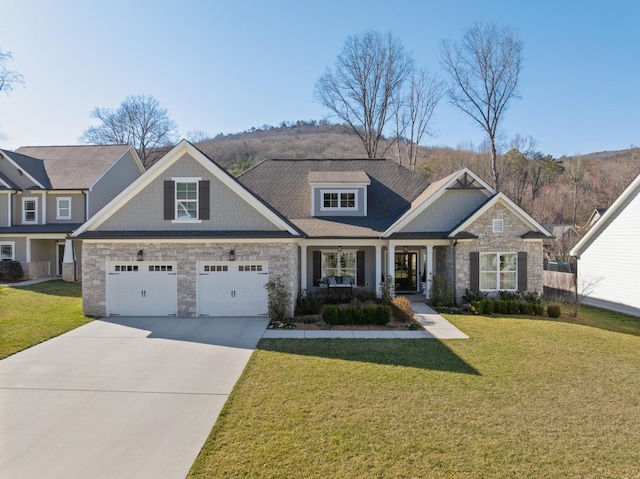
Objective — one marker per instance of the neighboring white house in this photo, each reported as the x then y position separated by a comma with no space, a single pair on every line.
609,257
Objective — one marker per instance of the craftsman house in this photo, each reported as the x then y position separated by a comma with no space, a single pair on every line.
188,239
48,192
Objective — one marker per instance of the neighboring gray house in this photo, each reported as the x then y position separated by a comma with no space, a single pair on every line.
609,258
564,237
188,239
46,192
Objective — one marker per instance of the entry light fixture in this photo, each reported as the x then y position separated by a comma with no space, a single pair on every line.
339,249
140,255
406,249
232,255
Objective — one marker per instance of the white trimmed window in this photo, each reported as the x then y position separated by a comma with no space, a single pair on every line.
29,210
339,263
63,208
8,251
498,225
186,200
339,200
498,271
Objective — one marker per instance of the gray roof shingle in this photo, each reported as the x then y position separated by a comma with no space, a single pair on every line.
67,167
284,184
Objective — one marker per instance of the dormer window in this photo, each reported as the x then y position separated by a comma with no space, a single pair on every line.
339,193
339,200
29,210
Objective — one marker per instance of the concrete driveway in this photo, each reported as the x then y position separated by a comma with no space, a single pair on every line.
120,398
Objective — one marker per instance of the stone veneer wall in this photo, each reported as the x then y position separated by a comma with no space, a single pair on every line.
36,269
507,242
282,258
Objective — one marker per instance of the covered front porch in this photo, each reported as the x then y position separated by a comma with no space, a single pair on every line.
410,263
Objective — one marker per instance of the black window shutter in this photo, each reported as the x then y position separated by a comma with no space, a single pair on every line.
317,267
474,261
169,200
522,271
203,200
360,268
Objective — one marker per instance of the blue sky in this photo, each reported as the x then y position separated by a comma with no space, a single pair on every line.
227,66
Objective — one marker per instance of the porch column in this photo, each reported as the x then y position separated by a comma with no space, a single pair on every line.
303,267
391,267
429,270
68,262
378,276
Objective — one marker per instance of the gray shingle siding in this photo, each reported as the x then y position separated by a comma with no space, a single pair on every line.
116,179
77,208
228,211
447,211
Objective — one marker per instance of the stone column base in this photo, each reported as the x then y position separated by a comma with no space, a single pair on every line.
68,272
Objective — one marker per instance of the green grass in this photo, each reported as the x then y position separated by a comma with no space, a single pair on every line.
32,314
522,398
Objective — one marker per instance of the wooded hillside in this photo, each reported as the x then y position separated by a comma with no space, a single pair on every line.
553,190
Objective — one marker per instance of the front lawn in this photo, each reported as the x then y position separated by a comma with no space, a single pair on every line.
522,398
32,314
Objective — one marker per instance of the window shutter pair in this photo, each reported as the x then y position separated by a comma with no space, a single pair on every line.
474,260
170,200
317,267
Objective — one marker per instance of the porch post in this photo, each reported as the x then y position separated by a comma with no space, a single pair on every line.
68,262
303,267
391,267
429,278
378,276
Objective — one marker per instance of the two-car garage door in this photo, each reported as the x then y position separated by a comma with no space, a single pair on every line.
224,288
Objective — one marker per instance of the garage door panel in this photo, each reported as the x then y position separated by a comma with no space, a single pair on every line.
232,288
142,288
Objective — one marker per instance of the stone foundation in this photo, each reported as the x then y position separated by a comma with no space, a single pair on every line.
282,259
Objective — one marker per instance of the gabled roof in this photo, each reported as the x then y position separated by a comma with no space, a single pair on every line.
464,178
537,230
70,167
184,147
629,194
32,168
6,183
284,184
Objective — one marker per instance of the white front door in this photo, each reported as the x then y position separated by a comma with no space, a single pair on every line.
232,288
142,288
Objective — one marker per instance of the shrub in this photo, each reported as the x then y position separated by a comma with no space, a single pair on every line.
440,293
513,306
10,271
526,308
373,314
309,303
554,310
402,309
476,295
489,306
364,295
500,306
532,297
509,295
278,299
538,309
477,306
331,314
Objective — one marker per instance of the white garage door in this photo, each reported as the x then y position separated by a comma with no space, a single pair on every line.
142,288
232,288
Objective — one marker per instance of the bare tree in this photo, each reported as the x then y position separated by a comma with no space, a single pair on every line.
371,68
414,111
484,69
8,78
139,121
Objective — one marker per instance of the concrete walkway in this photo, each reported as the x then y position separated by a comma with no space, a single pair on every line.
120,397
31,281
435,327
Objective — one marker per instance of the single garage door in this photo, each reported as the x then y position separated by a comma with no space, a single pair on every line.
232,288
142,288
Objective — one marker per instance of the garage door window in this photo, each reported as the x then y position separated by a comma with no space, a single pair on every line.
216,268
248,268
161,268
125,268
